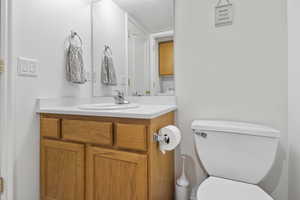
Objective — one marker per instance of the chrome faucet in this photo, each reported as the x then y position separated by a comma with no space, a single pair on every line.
120,98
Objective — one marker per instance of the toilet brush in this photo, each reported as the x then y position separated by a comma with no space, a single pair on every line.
182,184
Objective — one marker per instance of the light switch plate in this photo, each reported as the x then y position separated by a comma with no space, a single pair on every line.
27,67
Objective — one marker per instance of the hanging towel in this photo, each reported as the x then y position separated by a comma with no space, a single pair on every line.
108,73
74,65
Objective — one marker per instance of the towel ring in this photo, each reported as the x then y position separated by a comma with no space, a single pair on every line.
73,36
107,49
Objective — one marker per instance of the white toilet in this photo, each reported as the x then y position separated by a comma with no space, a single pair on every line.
237,156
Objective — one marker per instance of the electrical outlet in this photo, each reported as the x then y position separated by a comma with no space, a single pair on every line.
27,67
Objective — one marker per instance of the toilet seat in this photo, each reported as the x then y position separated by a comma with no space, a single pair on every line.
222,189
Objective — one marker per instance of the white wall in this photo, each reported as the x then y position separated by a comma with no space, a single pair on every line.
109,28
233,73
39,30
294,98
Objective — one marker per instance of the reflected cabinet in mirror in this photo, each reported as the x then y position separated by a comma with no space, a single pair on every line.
133,47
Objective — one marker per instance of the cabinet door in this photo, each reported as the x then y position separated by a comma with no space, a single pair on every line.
166,58
62,170
115,175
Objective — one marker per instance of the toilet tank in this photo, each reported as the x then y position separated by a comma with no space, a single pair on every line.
236,150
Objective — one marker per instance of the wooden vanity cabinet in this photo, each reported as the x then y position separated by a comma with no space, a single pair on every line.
102,158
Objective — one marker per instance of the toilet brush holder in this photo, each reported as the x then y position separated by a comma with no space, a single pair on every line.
182,184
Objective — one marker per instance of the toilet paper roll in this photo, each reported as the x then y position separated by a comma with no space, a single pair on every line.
173,135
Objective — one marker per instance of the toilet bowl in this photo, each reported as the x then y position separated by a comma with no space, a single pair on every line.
237,156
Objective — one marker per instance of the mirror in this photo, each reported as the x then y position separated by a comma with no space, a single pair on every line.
133,47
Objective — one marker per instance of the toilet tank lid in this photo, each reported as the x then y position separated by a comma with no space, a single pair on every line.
235,127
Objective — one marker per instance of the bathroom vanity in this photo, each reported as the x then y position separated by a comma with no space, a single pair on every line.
99,156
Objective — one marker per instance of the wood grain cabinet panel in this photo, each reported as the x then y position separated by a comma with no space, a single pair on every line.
131,136
62,171
93,132
50,127
166,58
115,175
74,167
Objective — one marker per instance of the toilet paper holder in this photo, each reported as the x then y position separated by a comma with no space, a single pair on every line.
161,138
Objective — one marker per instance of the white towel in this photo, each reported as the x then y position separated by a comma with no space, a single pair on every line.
108,73
74,65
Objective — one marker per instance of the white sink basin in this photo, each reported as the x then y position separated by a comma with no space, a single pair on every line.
108,106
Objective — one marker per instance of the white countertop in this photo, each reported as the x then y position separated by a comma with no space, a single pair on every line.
144,111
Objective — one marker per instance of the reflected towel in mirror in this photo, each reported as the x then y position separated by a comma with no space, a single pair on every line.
108,73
